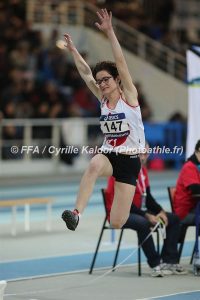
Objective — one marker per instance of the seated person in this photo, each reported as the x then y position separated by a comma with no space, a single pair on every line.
143,220
188,185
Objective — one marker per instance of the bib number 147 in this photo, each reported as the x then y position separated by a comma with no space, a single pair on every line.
115,126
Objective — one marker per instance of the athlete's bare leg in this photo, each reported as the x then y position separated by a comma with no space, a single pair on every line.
123,197
99,166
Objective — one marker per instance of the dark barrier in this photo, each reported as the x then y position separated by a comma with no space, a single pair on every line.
167,142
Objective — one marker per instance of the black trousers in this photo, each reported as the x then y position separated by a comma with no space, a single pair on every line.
169,253
189,219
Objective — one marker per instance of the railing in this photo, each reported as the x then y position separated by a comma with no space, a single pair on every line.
34,136
82,13
144,47
57,140
186,17
49,12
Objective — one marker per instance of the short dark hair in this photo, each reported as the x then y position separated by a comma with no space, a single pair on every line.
197,147
108,66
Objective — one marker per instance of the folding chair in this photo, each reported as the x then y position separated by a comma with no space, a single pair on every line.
105,226
184,227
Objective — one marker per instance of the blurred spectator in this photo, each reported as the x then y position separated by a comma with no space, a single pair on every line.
3,65
178,117
42,112
55,100
144,105
187,187
11,133
1,116
88,104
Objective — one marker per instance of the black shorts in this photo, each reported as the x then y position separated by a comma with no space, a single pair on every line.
125,167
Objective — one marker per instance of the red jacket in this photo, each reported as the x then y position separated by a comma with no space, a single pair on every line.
183,201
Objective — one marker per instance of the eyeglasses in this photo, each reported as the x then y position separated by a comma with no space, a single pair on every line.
104,79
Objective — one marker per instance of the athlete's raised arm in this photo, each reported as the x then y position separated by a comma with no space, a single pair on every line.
105,25
82,67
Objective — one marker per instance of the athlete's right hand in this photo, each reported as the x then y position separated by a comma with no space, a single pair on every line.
69,44
105,20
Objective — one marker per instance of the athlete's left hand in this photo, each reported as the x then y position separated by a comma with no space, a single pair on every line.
69,43
105,19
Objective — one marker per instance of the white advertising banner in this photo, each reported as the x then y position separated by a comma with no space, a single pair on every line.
193,78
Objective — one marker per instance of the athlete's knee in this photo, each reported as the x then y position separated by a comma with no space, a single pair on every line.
95,166
117,223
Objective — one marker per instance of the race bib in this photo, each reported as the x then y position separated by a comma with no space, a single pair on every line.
114,126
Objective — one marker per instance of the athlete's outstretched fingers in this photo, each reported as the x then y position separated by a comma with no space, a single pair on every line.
99,15
98,25
106,13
